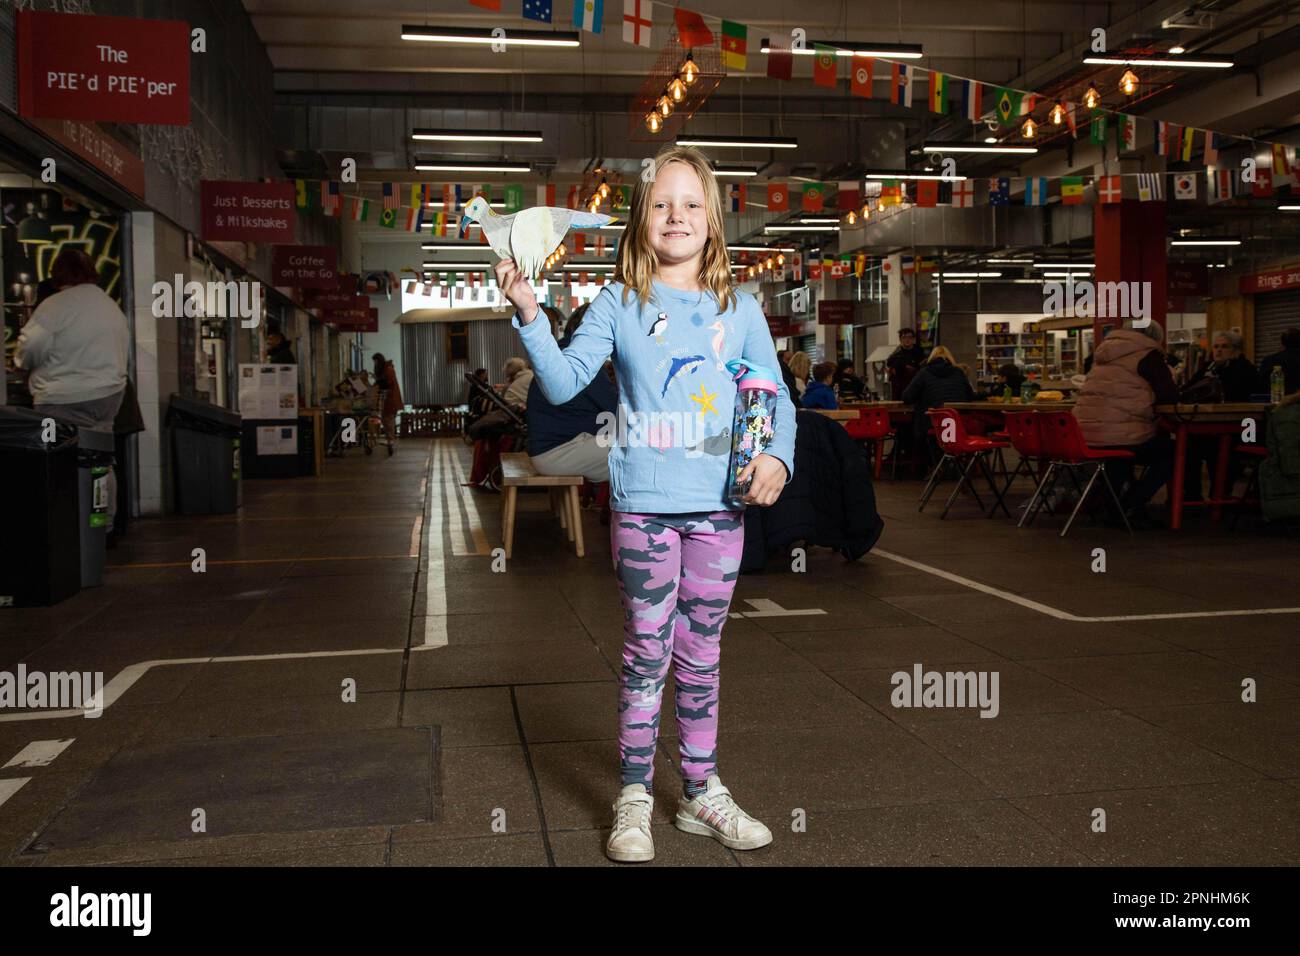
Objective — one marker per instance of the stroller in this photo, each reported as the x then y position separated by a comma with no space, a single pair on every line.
486,472
351,402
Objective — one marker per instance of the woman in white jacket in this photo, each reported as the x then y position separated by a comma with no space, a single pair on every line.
75,348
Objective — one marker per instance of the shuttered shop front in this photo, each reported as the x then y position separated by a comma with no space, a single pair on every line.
1275,312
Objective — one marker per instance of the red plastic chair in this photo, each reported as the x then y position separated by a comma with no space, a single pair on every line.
871,425
967,451
1064,447
1022,430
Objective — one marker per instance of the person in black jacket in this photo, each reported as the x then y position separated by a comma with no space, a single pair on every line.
848,386
1240,380
1288,358
278,351
787,377
938,382
904,363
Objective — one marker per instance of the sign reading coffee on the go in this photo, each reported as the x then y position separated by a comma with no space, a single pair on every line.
305,267
247,212
113,69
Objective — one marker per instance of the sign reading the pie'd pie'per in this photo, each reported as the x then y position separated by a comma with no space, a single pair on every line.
112,69
246,212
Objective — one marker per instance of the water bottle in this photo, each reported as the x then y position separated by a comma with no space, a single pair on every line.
1276,384
751,425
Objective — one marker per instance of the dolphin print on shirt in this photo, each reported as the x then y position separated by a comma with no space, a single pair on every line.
684,365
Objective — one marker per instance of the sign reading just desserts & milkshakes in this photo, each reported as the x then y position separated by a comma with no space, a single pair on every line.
247,212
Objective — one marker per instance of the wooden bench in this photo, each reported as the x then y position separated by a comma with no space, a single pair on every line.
517,472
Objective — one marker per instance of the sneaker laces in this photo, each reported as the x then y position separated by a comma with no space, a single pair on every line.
625,811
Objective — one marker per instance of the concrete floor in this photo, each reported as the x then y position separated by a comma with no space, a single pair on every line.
483,730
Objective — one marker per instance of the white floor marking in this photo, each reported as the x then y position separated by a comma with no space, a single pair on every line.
435,578
765,608
416,528
11,786
1066,615
39,753
449,494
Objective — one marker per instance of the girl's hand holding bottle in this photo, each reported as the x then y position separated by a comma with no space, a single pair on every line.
514,285
769,478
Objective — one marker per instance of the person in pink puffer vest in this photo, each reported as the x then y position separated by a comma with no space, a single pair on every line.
1116,409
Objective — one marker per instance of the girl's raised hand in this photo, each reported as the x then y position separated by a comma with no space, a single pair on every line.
517,289
769,478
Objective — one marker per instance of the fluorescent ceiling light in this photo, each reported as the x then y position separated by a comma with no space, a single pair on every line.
476,136
736,171
760,248
819,220
460,166
448,266
912,176
763,142
1205,242
1073,266
447,246
485,36
1178,63
440,205
775,229
588,267
897,51
990,145
1010,262
970,275
1289,207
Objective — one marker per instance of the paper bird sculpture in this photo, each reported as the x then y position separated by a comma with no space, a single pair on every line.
530,235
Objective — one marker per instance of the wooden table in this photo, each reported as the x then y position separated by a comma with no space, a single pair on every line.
1222,421
1009,406
838,414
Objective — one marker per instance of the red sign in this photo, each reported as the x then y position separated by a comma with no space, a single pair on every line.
318,299
354,320
305,267
96,146
780,325
1188,278
116,69
835,312
247,212
1271,281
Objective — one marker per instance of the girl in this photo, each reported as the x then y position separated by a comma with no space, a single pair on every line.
672,322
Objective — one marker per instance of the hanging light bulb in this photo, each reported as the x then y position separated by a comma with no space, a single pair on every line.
677,89
689,70
604,190
852,218
880,205
780,258
665,105
1128,83
653,123
563,251
1029,129
1091,97
1058,114
866,210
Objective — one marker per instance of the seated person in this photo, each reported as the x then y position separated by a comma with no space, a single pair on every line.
848,386
1116,409
1289,361
939,381
1240,380
562,439
1009,376
479,404
819,393
496,422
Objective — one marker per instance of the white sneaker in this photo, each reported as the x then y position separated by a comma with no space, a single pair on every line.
714,813
630,840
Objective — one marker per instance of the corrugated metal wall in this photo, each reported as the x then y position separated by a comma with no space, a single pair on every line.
428,378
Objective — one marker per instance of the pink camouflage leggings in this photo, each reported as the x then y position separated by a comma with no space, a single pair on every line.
676,574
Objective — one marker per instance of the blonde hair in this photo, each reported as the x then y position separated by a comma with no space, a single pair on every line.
799,365
941,352
637,263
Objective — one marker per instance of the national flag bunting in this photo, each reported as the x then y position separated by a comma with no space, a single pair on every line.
963,194
1036,191
1007,102
546,195
736,196
587,14
1162,138
900,84
1071,190
360,210
1097,129
1127,127
1281,163
860,85
1151,187
1185,186
824,65
538,10
999,191
927,193
847,197
691,29
778,197
1211,148
638,15
971,95
1221,183
514,197
1262,187
1185,153
780,60
300,193
813,197
390,196
1109,189
388,218
938,92
735,45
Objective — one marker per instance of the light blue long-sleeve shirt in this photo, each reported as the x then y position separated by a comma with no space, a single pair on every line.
671,440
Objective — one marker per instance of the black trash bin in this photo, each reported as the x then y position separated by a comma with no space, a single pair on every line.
94,461
205,457
40,560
